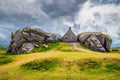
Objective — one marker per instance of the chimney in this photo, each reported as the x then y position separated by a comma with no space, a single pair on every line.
69,28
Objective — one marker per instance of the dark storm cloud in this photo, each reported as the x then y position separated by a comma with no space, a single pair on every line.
58,8
34,9
16,14
17,19
30,12
19,12
55,15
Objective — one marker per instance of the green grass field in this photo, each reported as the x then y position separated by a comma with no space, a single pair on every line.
60,61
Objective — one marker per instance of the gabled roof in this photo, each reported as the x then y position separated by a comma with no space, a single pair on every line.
69,32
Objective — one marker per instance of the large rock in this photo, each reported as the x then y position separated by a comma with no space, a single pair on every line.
96,41
53,37
24,40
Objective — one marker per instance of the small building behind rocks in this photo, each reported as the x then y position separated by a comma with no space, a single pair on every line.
69,36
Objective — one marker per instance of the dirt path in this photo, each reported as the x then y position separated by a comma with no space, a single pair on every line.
27,58
75,46
30,57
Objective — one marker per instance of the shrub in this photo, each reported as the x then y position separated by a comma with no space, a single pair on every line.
113,66
5,60
89,64
42,65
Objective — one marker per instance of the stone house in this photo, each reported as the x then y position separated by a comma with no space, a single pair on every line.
69,36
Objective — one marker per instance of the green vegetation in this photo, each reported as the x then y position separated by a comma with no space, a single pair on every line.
80,45
49,46
4,57
42,65
81,64
113,66
83,69
5,60
115,50
65,47
60,61
59,46
89,64
2,48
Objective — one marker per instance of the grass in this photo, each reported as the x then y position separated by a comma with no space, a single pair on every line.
59,46
80,45
5,60
42,48
41,65
4,57
76,69
2,48
78,64
113,66
115,50
61,62
65,47
89,64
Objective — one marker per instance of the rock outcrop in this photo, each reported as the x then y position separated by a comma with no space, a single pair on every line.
96,41
24,40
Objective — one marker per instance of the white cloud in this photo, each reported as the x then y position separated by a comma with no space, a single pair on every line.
101,18
67,23
3,36
56,15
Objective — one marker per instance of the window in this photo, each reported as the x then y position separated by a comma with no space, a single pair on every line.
65,37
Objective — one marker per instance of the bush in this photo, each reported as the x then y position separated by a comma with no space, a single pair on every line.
113,66
5,60
88,64
42,65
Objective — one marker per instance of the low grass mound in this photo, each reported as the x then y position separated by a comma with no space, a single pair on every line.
51,64
89,64
42,65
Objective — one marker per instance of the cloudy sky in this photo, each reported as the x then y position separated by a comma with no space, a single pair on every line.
56,15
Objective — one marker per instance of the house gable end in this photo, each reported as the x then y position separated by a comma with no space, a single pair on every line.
69,36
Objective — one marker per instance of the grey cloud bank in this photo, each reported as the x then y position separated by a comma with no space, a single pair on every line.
56,15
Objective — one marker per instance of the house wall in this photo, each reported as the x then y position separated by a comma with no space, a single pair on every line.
69,37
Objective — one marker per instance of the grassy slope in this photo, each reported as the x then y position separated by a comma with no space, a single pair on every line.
13,70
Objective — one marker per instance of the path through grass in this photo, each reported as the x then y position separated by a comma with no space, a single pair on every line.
66,70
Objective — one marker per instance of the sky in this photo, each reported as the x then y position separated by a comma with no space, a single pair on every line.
57,15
